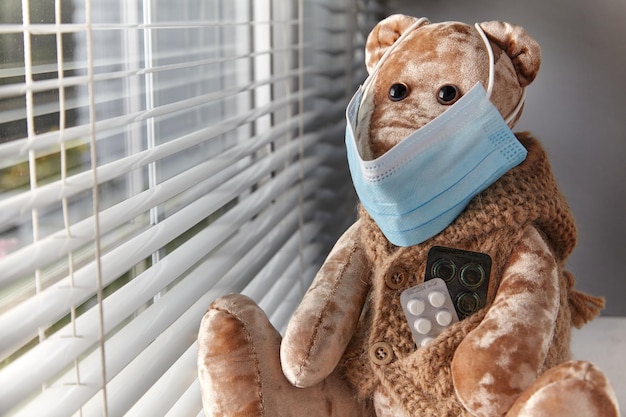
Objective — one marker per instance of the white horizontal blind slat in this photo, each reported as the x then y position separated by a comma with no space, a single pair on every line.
48,194
135,336
47,85
48,29
280,289
37,142
163,394
244,180
170,388
30,313
47,250
187,60
284,258
287,304
242,270
15,151
46,356
190,403
40,142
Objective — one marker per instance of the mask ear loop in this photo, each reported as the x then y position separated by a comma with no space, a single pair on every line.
492,64
520,103
517,108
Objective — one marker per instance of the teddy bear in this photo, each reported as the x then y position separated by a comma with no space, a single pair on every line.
434,164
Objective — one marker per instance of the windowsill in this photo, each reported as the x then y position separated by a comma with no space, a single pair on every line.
603,342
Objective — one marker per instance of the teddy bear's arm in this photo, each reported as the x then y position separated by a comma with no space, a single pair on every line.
504,354
324,322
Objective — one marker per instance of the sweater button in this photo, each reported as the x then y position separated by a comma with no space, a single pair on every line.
396,278
381,353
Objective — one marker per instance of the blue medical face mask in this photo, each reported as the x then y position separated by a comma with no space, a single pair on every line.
422,184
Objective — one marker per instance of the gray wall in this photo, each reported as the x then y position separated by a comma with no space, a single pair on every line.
577,108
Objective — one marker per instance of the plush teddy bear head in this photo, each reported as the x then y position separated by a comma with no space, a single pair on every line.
431,68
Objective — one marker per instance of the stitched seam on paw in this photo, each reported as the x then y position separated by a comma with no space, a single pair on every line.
255,353
321,317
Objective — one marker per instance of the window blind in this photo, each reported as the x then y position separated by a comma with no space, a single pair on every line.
156,155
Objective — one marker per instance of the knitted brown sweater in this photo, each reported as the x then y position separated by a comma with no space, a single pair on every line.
420,379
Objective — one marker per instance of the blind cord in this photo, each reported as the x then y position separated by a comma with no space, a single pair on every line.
301,139
96,204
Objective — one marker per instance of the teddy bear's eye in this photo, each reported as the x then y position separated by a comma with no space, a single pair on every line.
448,94
398,91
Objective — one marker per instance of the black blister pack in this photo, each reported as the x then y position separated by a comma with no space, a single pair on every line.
465,273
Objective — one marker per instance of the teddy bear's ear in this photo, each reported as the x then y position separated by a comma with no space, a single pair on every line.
523,50
384,34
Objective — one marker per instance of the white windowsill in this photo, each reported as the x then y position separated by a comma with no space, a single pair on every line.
603,342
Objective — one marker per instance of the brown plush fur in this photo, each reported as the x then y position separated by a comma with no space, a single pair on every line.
348,346
432,56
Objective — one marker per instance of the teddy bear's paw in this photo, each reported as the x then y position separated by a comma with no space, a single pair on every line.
229,355
575,388
240,374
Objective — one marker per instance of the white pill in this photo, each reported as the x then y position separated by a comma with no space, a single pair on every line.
426,341
415,307
422,326
444,318
436,298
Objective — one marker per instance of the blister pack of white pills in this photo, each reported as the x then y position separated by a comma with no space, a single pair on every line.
428,309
